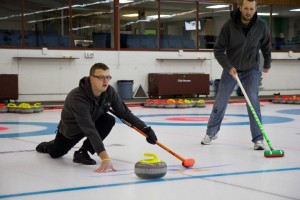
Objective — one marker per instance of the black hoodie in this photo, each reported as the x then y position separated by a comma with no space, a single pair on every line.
81,110
238,45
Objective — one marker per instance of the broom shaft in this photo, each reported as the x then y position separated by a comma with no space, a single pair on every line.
160,144
254,113
144,134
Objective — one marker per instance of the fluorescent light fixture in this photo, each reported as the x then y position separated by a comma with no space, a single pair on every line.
151,17
126,1
217,6
156,16
266,14
131,15
295,10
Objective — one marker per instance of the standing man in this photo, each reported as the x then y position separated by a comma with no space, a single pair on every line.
85,115
237,51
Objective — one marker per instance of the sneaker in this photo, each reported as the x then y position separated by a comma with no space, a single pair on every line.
207,139
42,147
259,145
83,158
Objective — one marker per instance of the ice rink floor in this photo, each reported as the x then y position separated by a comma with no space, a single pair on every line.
227,169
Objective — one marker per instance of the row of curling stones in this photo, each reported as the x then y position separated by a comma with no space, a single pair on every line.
21,108
172,103
286,99
150,168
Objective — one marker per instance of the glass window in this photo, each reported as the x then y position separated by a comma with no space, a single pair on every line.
178,25
138,24
211,17
10,23
46,23
263,11
286,28
93,23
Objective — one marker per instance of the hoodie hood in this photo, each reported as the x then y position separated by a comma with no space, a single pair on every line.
85,86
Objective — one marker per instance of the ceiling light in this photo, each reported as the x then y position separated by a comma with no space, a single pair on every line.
148,17
131,15
295,10
266,14
126,1
217,6
156,16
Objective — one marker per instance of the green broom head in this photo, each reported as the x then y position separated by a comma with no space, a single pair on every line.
273,153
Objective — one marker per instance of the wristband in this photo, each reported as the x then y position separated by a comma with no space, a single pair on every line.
105,159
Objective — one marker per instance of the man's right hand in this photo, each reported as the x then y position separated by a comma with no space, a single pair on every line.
106,164
105,167
233,72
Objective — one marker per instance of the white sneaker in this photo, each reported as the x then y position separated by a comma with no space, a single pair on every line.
207,139
259,145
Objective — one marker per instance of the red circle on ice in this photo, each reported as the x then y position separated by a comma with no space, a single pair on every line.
191,119
3,128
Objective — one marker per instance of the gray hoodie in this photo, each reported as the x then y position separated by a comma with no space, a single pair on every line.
81,110
238,45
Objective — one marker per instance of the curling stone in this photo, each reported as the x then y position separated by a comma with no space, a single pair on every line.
276,99
148,103
188,103
283,99
200,103
291,99
181,104
25,108
13,108
193,103
3,108
150,168
160,103
297,100
37,107
154,103
170,103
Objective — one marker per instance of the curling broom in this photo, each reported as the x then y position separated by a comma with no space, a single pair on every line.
267,153
185,162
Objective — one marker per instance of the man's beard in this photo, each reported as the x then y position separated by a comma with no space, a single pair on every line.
246,19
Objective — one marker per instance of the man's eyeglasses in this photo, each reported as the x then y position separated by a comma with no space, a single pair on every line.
102,78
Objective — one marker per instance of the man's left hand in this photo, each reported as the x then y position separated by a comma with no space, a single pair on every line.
151,135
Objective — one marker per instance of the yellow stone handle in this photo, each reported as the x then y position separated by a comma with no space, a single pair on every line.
11,105
154,158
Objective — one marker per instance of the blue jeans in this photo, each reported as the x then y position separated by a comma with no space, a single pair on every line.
250,80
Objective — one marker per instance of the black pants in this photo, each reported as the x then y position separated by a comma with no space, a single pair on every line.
63,145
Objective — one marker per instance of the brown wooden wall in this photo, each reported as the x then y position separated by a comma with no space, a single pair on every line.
268,2
280,2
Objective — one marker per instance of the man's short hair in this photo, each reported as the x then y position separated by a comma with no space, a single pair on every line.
98,66
242,1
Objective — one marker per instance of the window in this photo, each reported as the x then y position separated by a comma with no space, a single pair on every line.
286,28
138,24
46,24
93,23
263,11
10,23
178,25
212,17
143,24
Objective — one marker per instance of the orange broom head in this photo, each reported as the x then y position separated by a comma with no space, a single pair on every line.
188,162
273,153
